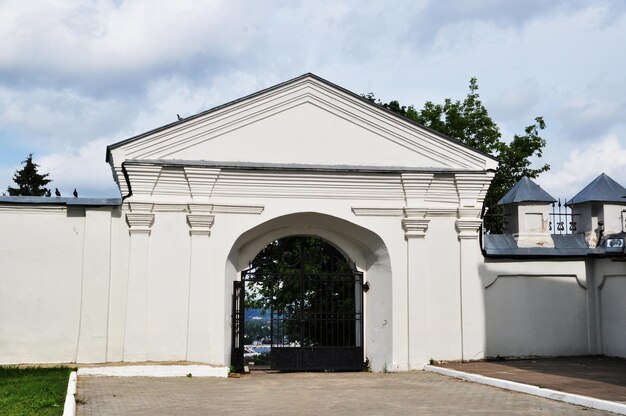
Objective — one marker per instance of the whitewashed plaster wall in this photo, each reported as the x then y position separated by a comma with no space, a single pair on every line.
554,307
536,315
610,287
54,283
65,282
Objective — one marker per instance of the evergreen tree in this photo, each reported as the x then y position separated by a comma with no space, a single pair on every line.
29,181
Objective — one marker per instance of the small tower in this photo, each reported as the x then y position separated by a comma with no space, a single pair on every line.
598,209
526,208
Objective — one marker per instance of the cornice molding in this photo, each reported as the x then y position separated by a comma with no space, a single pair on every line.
238,209
472,188
161,207
415,185
140,206
377,212
451,212
442,212
37,209
195,208
410,212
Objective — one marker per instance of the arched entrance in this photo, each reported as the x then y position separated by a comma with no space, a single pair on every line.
310,300
355,243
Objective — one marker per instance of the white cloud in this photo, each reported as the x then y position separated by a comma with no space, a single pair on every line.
88,39
71,72
83,168
585,163
51,118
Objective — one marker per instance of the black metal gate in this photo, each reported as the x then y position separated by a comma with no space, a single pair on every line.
316,315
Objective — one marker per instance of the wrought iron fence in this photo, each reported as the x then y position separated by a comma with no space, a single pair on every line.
562,220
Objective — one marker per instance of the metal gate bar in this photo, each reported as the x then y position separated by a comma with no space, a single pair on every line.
320,329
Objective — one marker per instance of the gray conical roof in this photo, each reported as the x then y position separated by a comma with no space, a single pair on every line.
601,189
526,191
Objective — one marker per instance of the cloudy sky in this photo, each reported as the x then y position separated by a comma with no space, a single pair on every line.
78,75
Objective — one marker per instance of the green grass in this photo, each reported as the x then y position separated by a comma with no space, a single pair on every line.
33,391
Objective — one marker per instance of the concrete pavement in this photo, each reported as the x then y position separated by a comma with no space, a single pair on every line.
415,393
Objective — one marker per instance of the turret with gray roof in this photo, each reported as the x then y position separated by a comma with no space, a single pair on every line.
526,191
601,189
598,212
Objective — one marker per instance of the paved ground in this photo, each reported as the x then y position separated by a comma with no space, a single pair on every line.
599,377
417,393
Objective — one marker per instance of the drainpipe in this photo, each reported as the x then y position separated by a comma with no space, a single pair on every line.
130,190
481,231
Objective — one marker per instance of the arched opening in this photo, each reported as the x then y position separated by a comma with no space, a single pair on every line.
360,246
299,307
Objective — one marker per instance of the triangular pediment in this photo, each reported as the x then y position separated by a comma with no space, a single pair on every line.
306,121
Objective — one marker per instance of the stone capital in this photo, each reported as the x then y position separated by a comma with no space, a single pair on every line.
468,228
139,222
415,227
200,224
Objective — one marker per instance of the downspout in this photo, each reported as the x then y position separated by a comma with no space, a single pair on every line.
124,172
481,229
130,190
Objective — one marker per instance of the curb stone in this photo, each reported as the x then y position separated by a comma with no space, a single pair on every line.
155,371
69,408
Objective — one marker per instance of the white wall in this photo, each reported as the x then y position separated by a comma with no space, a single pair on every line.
169,287
610,280
41,253
536,308
120,248
443,317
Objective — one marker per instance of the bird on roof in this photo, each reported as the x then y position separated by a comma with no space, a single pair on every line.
47,192
56,192
179,117
75,193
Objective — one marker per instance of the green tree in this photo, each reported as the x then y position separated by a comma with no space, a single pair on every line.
29,181
298,278
469,122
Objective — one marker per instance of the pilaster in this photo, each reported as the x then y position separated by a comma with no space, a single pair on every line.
415,234
94,311
472,292
199,324
136,331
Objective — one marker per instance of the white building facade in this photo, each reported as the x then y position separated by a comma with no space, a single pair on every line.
150,277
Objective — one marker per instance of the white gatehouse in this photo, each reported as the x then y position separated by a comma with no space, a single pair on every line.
149,276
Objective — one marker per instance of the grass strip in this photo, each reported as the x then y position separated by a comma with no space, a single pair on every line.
33,390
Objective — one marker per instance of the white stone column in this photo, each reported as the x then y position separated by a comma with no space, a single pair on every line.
94,311
137,303
472,291
199,323
417,295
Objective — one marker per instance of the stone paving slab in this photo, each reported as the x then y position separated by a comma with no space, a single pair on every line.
416,393
600,377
